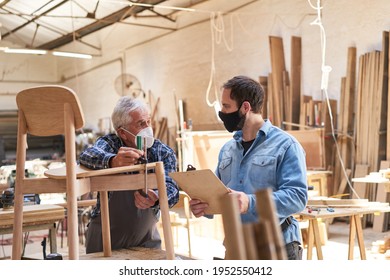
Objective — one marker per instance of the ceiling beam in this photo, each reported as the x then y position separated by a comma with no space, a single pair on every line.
33,19
99,24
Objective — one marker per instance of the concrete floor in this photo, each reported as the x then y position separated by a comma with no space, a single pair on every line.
206,248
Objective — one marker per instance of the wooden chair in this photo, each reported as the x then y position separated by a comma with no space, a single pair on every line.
184,217
253,241
54,110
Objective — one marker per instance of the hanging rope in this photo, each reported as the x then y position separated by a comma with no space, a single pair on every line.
325,69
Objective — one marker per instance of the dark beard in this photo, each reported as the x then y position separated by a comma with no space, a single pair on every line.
241,123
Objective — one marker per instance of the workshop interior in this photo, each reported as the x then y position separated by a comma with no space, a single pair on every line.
324,68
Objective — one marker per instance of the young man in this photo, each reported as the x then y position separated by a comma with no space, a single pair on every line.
133,216
259,156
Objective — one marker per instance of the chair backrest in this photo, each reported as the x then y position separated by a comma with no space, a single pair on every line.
182,207
43,109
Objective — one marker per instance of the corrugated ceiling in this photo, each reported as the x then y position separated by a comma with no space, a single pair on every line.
50,24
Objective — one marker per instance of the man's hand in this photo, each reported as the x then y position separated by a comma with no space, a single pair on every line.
243,201
198,207
145,202
126,156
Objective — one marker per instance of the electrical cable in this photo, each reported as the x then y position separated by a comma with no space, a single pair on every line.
217,28
326,69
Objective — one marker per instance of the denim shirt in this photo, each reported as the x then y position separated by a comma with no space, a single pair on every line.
275,160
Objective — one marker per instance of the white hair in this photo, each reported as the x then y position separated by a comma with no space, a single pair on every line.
120,117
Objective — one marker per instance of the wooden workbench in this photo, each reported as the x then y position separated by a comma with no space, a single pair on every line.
136,253
35,217
355,227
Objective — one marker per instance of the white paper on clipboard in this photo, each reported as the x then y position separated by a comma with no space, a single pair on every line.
202,185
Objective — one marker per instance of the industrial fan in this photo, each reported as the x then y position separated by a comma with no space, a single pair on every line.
127,84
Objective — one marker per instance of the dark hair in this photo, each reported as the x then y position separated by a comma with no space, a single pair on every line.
246,89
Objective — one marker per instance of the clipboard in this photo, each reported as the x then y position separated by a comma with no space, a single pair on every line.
203,185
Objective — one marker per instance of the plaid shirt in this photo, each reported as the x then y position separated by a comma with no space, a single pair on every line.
98,157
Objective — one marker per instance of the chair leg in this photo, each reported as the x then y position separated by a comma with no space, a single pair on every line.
189,240
18,226
163,198
105,224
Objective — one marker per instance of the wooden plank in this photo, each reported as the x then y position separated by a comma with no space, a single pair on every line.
234,240
304,118
266,209
388,107
334,202
312,141
344,182
271,101
287,106
342,104
383,98
346,119
361,170
359,104
277,66
263,80
360,189
295,85
349,91
381,221
310,113
329,117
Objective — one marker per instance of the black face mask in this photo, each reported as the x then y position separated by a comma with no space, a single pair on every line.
232,121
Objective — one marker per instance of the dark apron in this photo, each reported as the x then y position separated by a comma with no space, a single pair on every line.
129,226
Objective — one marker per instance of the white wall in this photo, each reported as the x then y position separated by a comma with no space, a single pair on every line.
180,63
21,71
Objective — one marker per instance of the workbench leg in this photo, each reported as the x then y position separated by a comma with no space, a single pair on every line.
352,234
359,233
53,239
310,239
317,239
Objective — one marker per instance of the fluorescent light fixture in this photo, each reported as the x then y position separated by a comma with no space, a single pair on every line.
56,53
74,55
24,51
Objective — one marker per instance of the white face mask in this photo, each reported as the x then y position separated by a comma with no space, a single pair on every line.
146,133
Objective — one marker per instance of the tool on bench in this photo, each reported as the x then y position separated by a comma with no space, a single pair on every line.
141,145
52,256
310,209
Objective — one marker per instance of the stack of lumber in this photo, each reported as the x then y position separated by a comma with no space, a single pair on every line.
315,114
371,111
286,107
160,126
360,127
371,117
345,126
283,92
